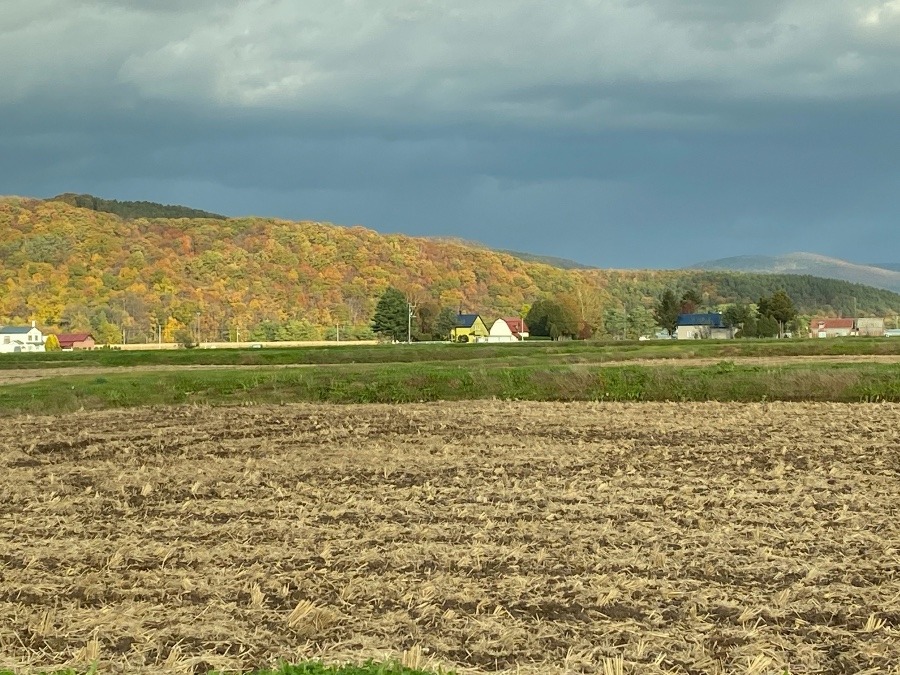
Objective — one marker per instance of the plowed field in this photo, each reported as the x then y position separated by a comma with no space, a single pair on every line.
682,538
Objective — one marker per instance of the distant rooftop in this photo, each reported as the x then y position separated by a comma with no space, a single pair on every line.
711,319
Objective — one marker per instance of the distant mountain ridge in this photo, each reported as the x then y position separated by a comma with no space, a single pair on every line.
553,261
886,276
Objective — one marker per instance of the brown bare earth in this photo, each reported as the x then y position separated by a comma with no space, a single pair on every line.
543,537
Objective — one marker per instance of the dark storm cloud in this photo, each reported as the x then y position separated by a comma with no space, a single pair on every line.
629,133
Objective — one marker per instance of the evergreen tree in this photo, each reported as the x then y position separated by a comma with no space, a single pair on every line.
391,315
666,312
445,322
767,326
735,316
778,307
690,301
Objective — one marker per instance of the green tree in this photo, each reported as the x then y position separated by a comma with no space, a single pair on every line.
779,307
548,318
185,338
666,312
748,328
391,315
444,323
615,322
735,316
690,301
767,326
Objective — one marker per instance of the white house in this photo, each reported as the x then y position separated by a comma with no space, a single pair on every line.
21,339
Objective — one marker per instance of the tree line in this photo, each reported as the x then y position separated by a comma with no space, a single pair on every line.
77,269
772,315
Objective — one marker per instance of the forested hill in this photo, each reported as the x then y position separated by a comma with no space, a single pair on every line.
76,268
130,210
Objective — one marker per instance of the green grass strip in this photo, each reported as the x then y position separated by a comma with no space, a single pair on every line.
534,353
404,383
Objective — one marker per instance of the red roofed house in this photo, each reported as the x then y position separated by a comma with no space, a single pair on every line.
832,327
518,327
69,341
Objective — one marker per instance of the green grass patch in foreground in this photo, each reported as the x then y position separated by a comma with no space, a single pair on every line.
403,383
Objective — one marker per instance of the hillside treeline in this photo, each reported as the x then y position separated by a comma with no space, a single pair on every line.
128,210
79,269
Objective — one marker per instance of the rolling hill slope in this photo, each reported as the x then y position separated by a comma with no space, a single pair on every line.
813,264
77,268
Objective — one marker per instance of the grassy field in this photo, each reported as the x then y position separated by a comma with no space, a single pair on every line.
538,538
526,353
399,383
848,370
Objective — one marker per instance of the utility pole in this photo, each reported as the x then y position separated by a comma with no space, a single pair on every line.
410,310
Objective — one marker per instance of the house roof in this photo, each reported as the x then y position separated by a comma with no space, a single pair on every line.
712,319
466,320
16,330
516,325
824,324
73,337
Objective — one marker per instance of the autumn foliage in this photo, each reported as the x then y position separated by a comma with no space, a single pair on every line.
79,269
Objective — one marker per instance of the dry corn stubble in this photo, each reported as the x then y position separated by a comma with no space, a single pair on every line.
604,538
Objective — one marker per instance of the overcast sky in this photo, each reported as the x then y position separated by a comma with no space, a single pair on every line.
620,133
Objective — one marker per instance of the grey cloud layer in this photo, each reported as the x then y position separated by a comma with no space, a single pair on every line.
706,126
464,58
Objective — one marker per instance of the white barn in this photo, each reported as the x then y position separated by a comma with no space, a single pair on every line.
21,339
501,332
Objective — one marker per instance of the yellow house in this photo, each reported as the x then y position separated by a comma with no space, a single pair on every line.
468,328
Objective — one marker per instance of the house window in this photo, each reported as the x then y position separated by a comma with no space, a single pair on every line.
6,339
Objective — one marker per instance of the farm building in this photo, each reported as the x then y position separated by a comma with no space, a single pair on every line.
867,326
21,339
831,327
702,326
68,341
870,326
468,328
502,331
518,327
